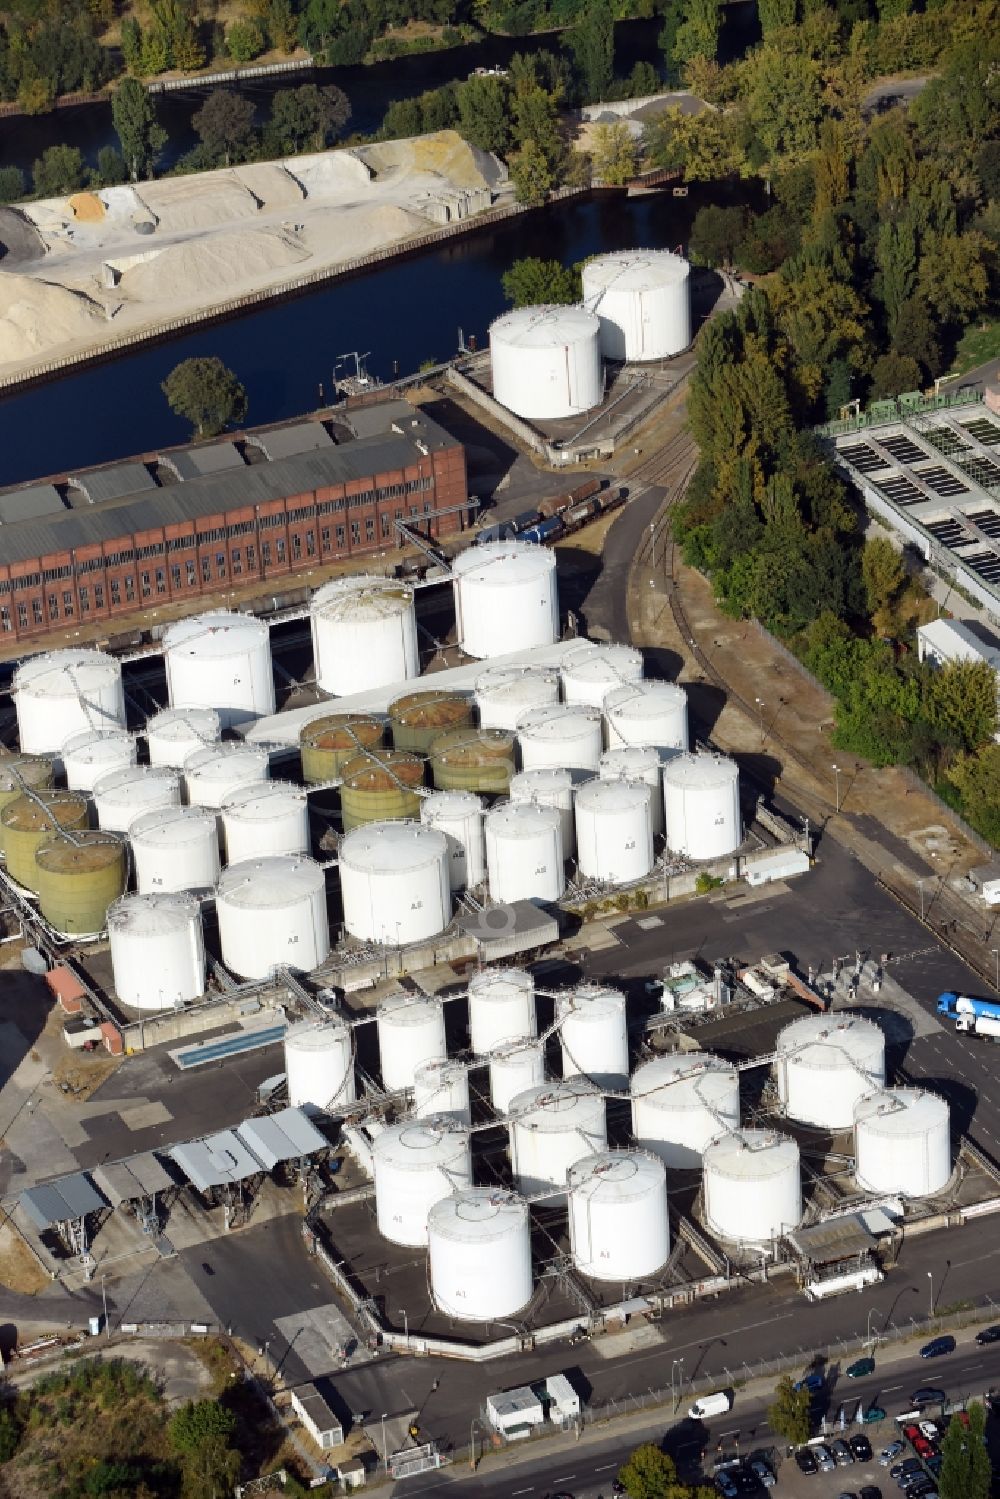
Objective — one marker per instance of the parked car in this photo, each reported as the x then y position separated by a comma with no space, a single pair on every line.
870,1491
726,1486
922,1446
873,1414
842,1453
805,1460
911,1430
762,1472
825,1460
811,1382
890,1453
860,1368
709,1405
908,1465
928,1395
988,1335
934,1464
861,1447
937,1346
931,1430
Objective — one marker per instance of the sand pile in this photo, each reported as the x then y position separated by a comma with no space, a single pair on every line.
271,185
217,266
338,234
87,208
200,201
329,174
123,204
443,154
36,317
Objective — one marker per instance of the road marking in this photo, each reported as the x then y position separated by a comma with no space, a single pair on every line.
522,1491
890,1387
607,1468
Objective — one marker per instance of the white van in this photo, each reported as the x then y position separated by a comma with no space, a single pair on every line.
710,1405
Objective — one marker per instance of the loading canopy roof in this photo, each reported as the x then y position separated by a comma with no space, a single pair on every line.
62,1201
139,1176
837,1239
216,1160
285,1136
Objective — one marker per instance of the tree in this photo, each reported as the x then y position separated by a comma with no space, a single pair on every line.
531,175
789,1414
307,117
883,575
532,282
965,1472
10,1433
12,185
131,43
139,132
282,25
914,335
484,113
953,278
592,41
960,702
224,123
893,373
615,156
896,257
211,398
58,172
775,13
651,1474
199,1420
715,233
697,33
244,40
111,169
211,1470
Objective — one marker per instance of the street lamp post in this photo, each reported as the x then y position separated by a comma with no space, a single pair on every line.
385,1450
472,1444
920,887
406,1326
675,1393
760,716
930,1277
868,1339
836,771
995,951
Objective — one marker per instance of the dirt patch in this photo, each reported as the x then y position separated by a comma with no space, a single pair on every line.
83,1073
19,1270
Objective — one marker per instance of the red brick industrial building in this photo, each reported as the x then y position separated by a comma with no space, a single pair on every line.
188,523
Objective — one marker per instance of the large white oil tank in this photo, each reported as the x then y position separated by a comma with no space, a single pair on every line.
94,753
824,1064
549,786
902,1142
410,1032
515,1066
593,1034
364,634
459,816
210,775
157,950
501,1008
175,848
701,805
552,1126
319,1064
124,795
654,714
441,1086
479,1253
506,598
272,914
614,831
417,1164
590,672
636,762
752,1186
681,1102
643,301
223,661
619,1228
570,735
394,882
266,817
175,734
524,854
63,693
546,361
505,693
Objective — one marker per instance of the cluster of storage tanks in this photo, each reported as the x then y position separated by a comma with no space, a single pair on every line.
547,362
685,1116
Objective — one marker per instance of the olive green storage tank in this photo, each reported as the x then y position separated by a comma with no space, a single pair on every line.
418,718
326,744
480,760
27,821
380,787
77,879
20,771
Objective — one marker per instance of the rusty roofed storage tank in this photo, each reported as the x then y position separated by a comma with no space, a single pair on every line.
480,760
22,773
379,787
418,718
78,876
328,743
27,821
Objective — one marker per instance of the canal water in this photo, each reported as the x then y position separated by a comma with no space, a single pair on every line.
402,314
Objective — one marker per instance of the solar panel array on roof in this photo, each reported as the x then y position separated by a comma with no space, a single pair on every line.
945,439
863,458
103,484
982,471
286,442
902,448
285,1136
191,463
62,1201
988,522
941,480
901,491
34,499
949,533
219,1160
984,431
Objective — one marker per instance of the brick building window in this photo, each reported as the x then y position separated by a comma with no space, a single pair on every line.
53,606
175,574
324,537
36,609
161,580
98,595
192,573
84,600
116,593
296,547
22,616
206,569
279,547
251,559
369,528
68,604
340,536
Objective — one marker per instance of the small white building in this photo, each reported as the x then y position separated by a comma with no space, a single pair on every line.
564,1402
314,1412
515,1413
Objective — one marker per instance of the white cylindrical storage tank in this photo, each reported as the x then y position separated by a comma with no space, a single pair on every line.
651,714
505,693
410,1032
319,1064
157,950
681,1102
175,734
416,1165
394,882
364,634
552,1126
591,672
175,848
618,1223
643,301
210,775
902,1142
94,753
636,762
441,1086
524,855
593,1034
546,361
266,817
549,786
563,735
479,1250
752,1186
506,598
124,795
701,806
272,914
63,693
515,1067
223,661
459,816
824,1064
501,1008
614,831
